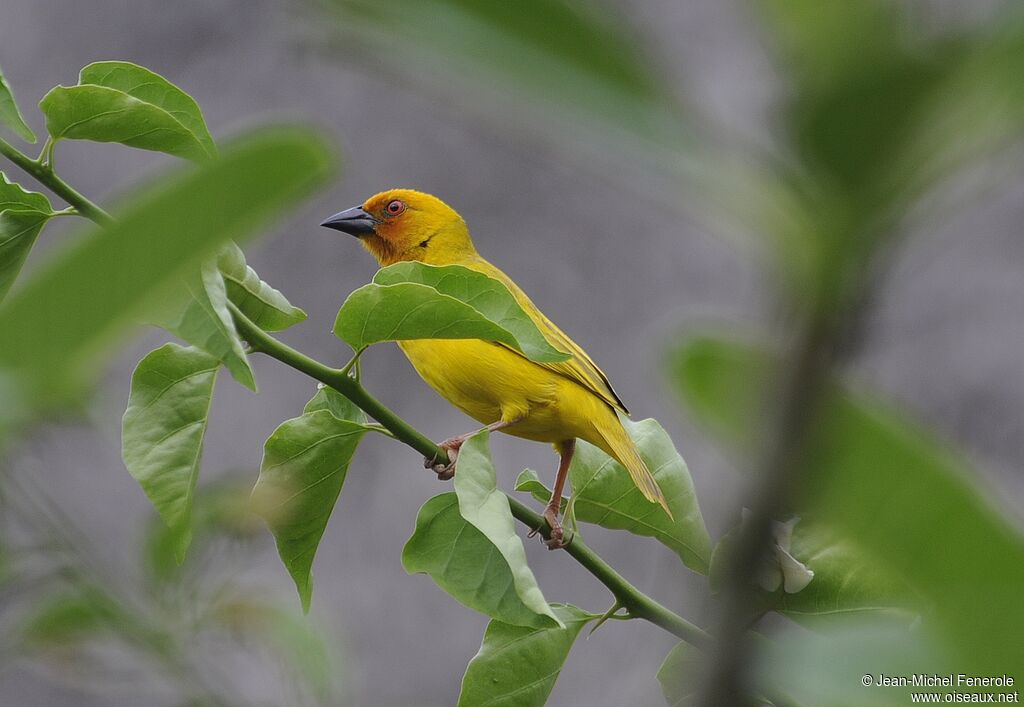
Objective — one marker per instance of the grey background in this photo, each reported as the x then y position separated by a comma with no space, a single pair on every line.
945,343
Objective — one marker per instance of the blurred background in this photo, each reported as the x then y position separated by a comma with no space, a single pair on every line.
606,229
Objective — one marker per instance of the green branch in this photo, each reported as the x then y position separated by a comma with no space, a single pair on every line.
45,175
639,604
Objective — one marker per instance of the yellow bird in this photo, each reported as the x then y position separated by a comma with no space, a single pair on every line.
489,381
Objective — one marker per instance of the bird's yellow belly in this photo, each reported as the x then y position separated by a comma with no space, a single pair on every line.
490,383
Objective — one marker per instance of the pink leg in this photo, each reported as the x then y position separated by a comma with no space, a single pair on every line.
566,450
452,446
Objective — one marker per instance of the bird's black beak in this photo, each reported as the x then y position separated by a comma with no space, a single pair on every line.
355,222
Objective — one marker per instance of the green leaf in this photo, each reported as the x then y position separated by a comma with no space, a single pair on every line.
54,328
127,104
305,462
14,196
262,304
518,665
486,509
18,232
847,584
908,503
679,675
163,429
529,482
152,88
465,564
204,320
605,494
337,404
22,216
69,617
9,113
417,301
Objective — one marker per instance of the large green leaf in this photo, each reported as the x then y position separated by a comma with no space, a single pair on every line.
204,320
305,462
154,89
14,196
907,502
417,301
266,307
63,318
18,232
606,495
163,429
125,103
466,564
486,509
9,113
517,665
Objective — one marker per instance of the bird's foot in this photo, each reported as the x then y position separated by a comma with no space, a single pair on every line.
445,471
555,540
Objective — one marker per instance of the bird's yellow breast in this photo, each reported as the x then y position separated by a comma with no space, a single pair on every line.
489,383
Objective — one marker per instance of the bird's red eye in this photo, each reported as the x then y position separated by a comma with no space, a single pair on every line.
396,207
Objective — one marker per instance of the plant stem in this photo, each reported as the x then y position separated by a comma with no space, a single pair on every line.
45,175
639,604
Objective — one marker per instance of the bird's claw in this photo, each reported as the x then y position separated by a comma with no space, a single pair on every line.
555,539
445,471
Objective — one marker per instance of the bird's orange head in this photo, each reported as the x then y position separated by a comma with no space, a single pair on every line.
404,224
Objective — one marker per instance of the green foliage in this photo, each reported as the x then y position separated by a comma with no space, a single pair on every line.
417,301
518,665
69,617
266,307
605,494
894,491
679,675
124,103
54,326
337,404
305,462
10,116
204,320
464,563
22,216
164,427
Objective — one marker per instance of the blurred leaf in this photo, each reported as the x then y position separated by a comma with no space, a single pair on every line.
125,103
679,675
827,668
220,509
163,430
154,89
69,617
205,321
465,564
518,665
577,57
305,462
9,113
606,495
847,583
58,323
530,483
337,404
907,502
295,639
486,509
262,304
18,232
417,301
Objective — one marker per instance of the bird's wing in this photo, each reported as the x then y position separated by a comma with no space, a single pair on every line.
580,368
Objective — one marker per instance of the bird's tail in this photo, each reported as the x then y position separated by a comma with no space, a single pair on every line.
616,442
